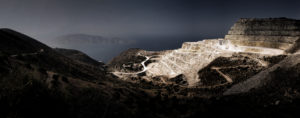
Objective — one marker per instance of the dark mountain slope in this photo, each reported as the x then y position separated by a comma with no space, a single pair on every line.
79,56
36,81
21,47
13,42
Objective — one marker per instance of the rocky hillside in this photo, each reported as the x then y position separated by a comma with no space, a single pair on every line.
38,81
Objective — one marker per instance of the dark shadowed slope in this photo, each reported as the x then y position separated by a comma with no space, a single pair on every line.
36,81
19,46
13,42
78,56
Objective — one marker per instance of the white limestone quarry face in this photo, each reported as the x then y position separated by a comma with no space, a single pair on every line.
193,56
270,36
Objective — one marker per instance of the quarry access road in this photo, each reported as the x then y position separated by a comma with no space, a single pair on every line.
143,64
228,79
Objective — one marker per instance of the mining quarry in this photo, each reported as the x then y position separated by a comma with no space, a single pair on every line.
251,38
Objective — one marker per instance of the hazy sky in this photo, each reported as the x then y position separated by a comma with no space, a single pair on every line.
45,19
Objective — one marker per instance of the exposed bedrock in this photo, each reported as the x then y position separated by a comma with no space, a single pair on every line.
188,59
278,33
263,37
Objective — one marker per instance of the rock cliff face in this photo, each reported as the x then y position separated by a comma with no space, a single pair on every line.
265,37
278,33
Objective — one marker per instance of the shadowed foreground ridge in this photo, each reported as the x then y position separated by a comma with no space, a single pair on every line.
252,72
